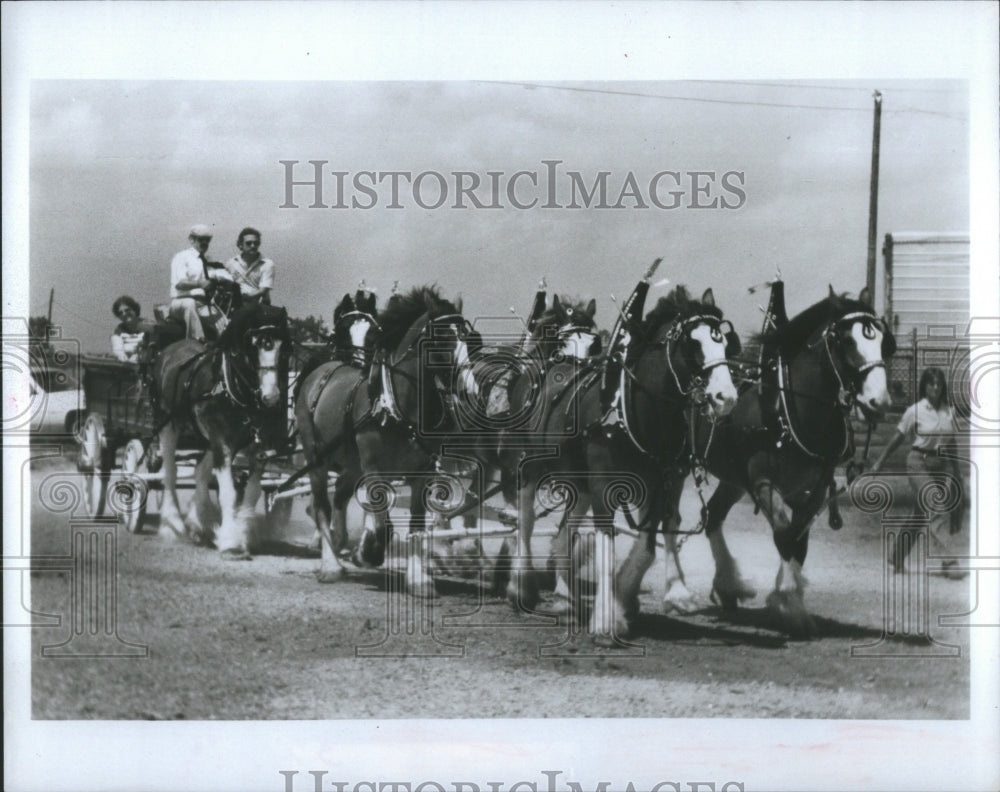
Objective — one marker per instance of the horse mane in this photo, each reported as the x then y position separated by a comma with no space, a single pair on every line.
250,317
793,336
403,310
677,305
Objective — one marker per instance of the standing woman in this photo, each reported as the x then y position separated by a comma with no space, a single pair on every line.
929,425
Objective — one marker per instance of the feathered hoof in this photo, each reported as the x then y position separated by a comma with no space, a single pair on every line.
631,612
795,619
680,601
235,554
172,534
559,606
522,593
330,575
836,521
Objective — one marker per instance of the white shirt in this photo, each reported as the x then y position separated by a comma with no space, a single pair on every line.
186,266
928,427
252,278
125,345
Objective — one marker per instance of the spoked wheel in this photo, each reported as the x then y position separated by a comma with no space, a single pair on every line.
92,463
134,464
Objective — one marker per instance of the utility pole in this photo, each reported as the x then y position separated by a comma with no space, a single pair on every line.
873,197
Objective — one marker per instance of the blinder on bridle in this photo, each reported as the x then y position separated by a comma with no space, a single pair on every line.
840,328
724,332
869,324
568,329
721,330
352,317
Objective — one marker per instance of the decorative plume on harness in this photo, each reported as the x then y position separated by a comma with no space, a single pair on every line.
614,372
775,317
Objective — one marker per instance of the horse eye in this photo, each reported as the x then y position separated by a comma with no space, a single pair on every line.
717,335
868,330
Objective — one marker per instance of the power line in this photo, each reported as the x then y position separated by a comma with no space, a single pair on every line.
705,100
820,87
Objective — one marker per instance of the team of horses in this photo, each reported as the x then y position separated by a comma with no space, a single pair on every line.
413,392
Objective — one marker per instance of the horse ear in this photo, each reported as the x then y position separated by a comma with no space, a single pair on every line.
344,306
556,305
832,295
458,304
708,297
591,308
865,297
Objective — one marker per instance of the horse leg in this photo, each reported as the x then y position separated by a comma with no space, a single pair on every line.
677,598
233,539
418,580
330,568
787,597
199,522
834,516
170,511
565,554
258,532
522,589
729,587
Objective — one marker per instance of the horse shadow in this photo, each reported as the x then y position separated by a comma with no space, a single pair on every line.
730,625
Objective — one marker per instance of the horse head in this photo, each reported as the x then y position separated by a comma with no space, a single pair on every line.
566,330
698,344
353,326
255,347
858,343
426,334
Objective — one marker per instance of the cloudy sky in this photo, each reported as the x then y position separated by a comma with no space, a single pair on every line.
120,169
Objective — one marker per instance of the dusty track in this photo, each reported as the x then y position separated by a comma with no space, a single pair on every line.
262,639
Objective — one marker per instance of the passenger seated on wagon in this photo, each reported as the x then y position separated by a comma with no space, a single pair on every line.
253,272
128,336
190,276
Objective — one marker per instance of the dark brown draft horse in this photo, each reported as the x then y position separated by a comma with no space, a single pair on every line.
332,394
386,427
784,438
509,378
230,392
607,459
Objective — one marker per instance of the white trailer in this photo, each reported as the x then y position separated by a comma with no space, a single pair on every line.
927,283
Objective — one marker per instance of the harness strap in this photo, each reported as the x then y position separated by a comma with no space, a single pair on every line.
327,448
788,425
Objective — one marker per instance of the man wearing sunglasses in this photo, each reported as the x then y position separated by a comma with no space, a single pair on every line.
253,272
190,275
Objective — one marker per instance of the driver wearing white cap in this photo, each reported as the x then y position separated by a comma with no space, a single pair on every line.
189,275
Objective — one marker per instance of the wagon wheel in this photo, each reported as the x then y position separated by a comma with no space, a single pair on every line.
134,463
93,464
154,463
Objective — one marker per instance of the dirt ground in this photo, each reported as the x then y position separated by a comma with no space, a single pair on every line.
197,637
